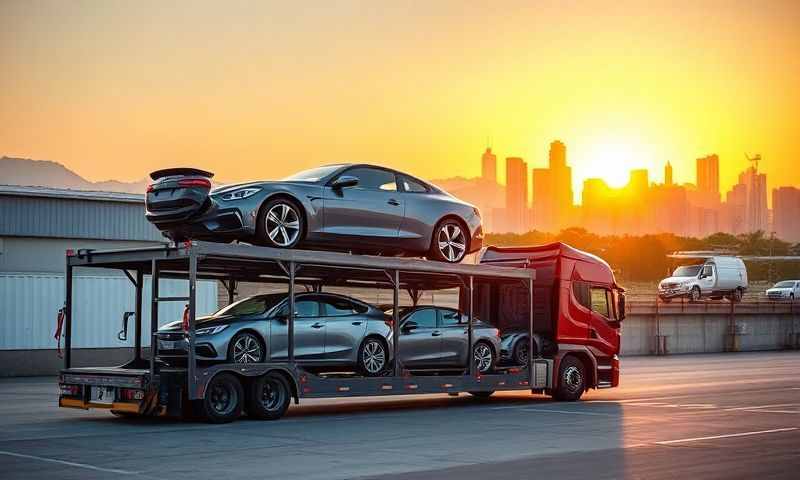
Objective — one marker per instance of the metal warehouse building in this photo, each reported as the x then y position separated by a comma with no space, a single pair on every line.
37,226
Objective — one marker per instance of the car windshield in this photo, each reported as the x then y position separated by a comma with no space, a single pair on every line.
687,271
250,306
313,175
785,284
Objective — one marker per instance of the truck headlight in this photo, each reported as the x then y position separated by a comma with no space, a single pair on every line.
239,194
210,330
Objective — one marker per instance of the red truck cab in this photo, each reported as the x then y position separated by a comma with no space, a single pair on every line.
578,310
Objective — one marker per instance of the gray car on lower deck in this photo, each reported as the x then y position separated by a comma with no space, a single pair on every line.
331,332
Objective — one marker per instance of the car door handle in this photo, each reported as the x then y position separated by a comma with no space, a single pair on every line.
436,333
394,202
593,333
318,325
357,323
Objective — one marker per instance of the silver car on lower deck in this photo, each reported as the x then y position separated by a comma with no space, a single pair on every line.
329,331
333,332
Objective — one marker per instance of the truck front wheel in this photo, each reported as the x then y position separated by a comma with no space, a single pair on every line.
571,380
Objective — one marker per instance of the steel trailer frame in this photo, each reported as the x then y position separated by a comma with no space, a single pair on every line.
234,263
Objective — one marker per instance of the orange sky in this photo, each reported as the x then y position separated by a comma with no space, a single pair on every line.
261,89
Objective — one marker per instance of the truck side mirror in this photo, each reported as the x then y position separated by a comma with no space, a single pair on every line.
621,307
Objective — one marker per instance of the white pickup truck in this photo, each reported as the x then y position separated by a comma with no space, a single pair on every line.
718,277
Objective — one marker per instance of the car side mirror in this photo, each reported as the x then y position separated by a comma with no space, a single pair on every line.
409,326
345,181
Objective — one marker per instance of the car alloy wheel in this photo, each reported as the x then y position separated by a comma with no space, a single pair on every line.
482,354
452,242
247,349
522,352
373,357
282,224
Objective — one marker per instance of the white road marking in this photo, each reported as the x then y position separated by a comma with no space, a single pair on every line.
755,407
570,412
71,464
729,435
773,411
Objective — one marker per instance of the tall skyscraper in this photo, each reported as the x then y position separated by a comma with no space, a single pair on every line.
736,209
668,175
786,213
756,214
517,194
489,166
708,177
552,191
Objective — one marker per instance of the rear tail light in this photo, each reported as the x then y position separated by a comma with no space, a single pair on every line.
70,390
131,394
150,188
195,182
389,322
185,322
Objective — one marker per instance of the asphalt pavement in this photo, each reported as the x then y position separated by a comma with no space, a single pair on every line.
690,416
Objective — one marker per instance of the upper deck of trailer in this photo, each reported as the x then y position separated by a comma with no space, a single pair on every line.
241,262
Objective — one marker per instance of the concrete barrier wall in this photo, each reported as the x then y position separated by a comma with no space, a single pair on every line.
710,332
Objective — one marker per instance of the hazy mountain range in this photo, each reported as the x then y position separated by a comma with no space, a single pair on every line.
45,173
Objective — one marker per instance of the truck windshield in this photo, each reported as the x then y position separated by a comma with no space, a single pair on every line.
687,271
785,284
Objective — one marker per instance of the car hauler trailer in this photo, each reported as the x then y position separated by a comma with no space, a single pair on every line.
221,391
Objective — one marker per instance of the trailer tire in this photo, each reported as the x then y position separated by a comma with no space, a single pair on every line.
571,379
269,397
223,400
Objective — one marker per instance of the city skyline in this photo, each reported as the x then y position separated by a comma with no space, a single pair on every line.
640,206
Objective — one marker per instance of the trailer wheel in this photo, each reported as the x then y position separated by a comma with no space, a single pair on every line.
223,400
571,380
269,397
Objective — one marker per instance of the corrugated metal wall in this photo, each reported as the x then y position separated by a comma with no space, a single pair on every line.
29,303
70,218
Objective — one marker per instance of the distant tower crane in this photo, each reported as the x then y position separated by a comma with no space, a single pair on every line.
754,160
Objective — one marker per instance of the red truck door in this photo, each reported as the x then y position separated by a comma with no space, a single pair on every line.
603,325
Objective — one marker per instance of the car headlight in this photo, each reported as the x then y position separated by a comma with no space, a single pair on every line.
210,330
239,194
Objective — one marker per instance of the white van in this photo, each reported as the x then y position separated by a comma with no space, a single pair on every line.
717,278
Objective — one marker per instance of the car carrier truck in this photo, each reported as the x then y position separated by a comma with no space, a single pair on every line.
563,303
